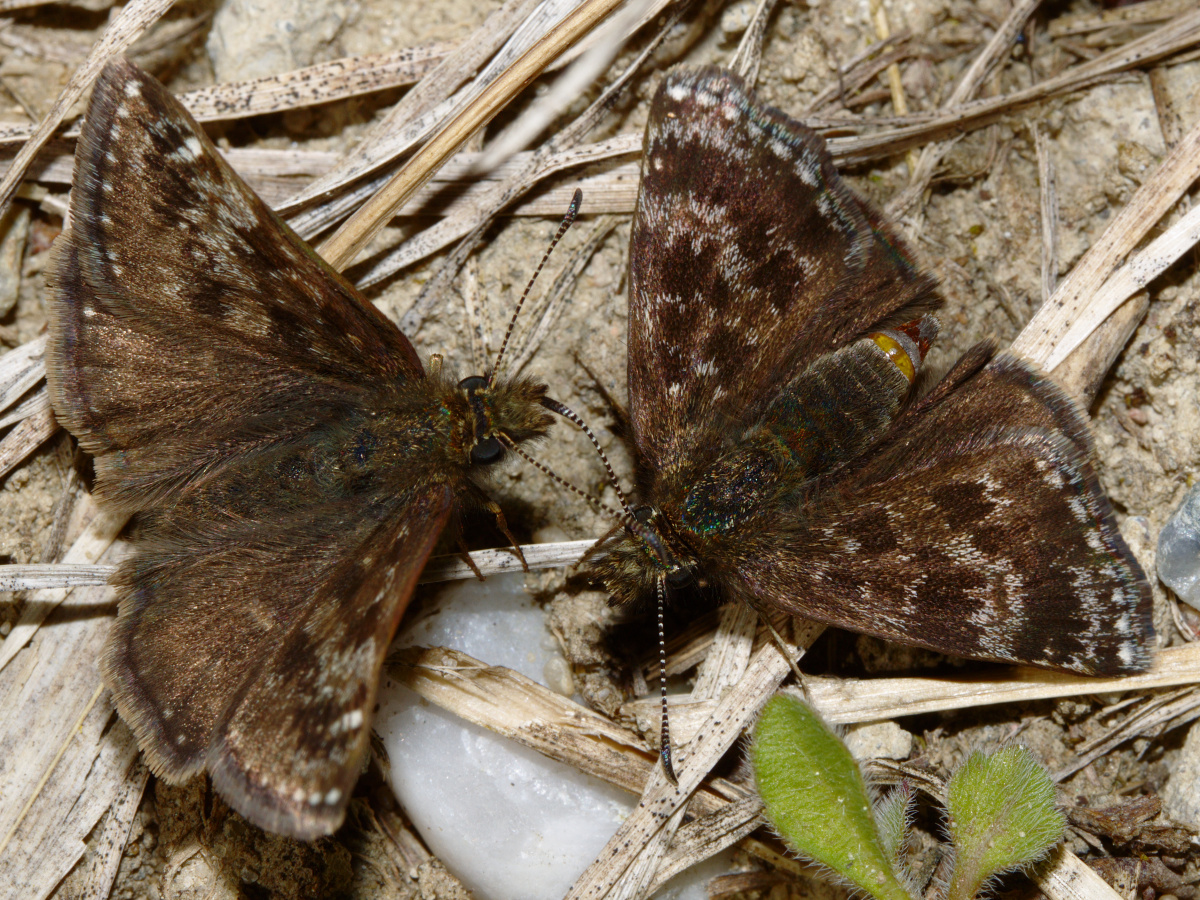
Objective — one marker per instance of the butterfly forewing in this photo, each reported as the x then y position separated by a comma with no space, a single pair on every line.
730,293
164,290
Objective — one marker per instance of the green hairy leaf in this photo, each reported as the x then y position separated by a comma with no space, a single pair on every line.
816,797
1001,817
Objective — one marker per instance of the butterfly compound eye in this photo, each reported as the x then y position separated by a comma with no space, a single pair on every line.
680,577
473,383
489,450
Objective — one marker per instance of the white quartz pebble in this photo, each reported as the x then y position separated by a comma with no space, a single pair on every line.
508,822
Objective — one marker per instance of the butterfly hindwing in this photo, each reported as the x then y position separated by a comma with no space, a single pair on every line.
291,745
997,543
291,669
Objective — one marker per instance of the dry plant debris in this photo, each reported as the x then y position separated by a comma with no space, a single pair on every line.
1043,160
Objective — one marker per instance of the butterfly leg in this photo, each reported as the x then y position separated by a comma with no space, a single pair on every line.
501,523
462,548
621,424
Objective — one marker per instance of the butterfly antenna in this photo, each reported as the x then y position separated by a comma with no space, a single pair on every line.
647,535
602,507
568,220
664,752
571,416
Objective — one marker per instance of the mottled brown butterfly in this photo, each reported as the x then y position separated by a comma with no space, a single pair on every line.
777,328
291,462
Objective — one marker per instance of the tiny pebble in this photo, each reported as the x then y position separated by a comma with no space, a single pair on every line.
1179,549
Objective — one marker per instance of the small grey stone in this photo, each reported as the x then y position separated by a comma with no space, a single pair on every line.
1179,549
257,38
878,740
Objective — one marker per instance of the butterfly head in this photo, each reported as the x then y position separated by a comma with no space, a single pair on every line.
499,414
643,555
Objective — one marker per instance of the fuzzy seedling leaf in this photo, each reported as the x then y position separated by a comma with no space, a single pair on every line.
1002,817
893,815
816,797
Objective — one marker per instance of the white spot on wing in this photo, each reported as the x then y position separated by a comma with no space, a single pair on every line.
678,92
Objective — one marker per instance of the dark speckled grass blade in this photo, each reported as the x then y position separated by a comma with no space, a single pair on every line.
777,330
290,461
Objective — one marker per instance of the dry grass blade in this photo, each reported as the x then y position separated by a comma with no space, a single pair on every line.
133,19
35,404
48,576
325,82
708,835
996,50
497,562
1131,278
1070,878
726,663
1048,202
346,243
49,768
71,574
1075,309
1083,372
110,844
1134,14
422,108
97,537
21,369
24,438
748,58
1171,38
883,30
878,699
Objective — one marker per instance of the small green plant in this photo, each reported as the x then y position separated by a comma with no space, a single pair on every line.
1000,810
